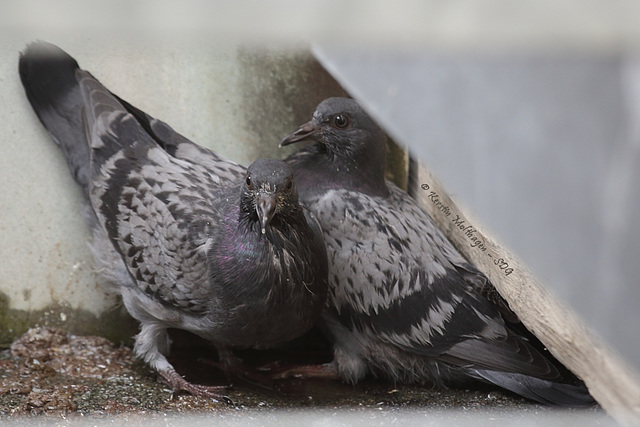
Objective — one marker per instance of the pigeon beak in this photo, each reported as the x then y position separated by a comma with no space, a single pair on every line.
306,131
266,208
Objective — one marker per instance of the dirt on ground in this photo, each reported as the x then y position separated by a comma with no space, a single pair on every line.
51,376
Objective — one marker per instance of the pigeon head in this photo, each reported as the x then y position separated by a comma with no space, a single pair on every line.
268,190
349,139
342,126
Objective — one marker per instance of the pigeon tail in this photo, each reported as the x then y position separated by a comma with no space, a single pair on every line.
48,75
542,391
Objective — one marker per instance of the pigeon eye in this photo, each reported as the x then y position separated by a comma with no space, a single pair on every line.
341,121
289,185
249,181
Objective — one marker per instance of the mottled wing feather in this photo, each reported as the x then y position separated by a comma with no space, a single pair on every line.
180,147
399,275
406,285
157,209
159,221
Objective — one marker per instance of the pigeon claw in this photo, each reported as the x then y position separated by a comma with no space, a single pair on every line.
178,384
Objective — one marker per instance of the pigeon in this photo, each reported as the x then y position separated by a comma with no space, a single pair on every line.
403,303
188,239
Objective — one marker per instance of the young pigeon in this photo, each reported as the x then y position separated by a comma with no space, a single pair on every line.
403,303
190,240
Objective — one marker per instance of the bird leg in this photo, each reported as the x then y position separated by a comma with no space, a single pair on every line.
178,383
234,367
228,363
152,341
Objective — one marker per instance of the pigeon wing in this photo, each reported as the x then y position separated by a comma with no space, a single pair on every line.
182,148
159,211
405,284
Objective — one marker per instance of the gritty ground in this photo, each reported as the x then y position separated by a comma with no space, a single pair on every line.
49,376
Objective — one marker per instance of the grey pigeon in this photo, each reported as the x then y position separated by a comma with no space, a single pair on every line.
190,240
403,303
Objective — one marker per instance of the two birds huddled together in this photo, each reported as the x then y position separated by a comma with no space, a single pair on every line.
254,257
